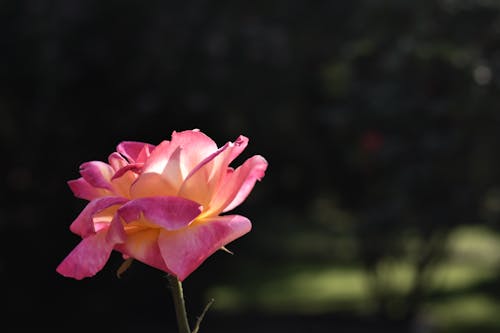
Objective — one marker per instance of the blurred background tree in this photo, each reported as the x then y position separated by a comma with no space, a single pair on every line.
379,119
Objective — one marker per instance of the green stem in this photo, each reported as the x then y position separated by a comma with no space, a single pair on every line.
180,306
200,318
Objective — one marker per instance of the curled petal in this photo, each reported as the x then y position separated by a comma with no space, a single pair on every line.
121,166
246,178
197,186
135,151
221,164
186,150
202,181
170,213
117,161
97,174
186,249
144,153
195,145
87,258
237,184
82,189
83,225
130,167
238,146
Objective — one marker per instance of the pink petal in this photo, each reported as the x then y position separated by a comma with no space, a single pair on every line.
122,184
137,167
97,174
203,179
142,245
83,225
158,158
186,249
87,258
237,184
134,151
117,161
172,172
175,159
144,153
82,189
197,186
245,180
116,232
221,164
170,213
165,161
239,145
150,185
195,145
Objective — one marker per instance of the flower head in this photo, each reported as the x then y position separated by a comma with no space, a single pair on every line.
161,205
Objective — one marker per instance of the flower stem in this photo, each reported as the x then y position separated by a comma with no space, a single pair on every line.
200,318
180,307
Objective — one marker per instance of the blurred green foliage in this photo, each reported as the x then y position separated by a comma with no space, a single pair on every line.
379,120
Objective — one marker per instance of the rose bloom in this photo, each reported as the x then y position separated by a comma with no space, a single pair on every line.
161,205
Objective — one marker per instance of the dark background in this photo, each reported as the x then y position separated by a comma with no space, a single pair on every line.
379,120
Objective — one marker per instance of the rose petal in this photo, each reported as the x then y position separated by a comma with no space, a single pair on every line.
239,145
187,149
97,174
144,153
237,184
150,185
130,167
142,245
87,258
172,172
117,161
170,213
158,158
197,186
201,182
185,249
134,151
116,232
196,146
83,225
123,183
245,180
221,164
82,189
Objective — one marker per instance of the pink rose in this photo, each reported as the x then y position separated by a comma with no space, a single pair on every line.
161,205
